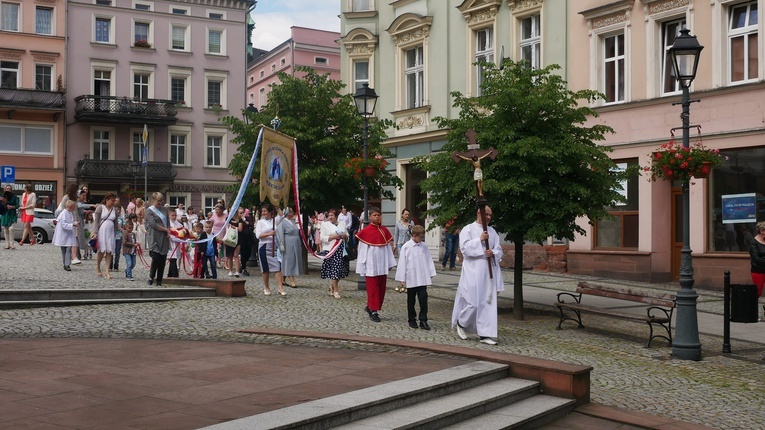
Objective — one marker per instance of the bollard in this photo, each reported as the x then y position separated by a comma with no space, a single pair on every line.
726,313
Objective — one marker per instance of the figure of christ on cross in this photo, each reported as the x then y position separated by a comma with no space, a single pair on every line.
475,155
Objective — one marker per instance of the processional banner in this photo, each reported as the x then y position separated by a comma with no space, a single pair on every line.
276,167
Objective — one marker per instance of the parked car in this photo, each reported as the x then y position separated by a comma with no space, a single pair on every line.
42,226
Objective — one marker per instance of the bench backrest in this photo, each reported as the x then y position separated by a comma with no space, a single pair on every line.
656,299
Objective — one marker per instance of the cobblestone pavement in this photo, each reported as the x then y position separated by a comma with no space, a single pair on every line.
723,390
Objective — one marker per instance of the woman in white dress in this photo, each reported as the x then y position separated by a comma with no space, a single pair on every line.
104,223
139,227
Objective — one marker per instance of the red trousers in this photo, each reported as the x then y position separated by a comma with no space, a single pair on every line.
757,279
376,291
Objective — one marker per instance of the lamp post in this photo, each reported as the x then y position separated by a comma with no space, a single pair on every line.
365,99
135,167
686,344
250,110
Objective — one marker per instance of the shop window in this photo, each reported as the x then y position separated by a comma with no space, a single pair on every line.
623,229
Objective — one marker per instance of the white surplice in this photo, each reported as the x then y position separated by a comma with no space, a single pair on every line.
475,306
415,265
374,260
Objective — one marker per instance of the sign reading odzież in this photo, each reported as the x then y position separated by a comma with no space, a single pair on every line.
276,167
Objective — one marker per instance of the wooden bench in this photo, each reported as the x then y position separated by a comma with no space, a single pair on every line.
223,287
659,313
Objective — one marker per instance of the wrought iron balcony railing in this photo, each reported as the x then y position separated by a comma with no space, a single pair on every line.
27,98
119,170
123,110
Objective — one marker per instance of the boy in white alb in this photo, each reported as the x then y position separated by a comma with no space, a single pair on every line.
415,271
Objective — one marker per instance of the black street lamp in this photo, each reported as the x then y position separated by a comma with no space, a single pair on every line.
365,99
135,167
686,345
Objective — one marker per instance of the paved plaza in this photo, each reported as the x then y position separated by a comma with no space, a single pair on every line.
723,390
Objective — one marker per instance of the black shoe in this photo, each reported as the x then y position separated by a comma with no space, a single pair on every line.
159,284
67,268
149,282
245,272
412,324
368,311
424,325
374,317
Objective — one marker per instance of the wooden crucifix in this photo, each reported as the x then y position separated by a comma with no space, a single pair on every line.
475,155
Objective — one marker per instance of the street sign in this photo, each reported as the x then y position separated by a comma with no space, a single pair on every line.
8,174
144,156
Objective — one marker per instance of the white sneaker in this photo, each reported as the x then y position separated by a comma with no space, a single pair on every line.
488,341
230,274
461,332
76,261
236,275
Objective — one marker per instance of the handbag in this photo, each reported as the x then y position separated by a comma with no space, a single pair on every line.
93,244
232,236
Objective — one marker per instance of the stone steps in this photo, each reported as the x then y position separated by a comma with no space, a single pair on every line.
12,299
479,390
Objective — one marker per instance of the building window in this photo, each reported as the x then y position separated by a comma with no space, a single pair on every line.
208,204
141,36
360,74
43,77
216,15
103,2
282,62
10,16
178,38
142,6
214,151
730,230
531,41
319,60
43,20
174,200
141,86
613,68
361,5
414,76
178,149
262,73
101,141
26,139
136,146
214,93
103,30
484,51
9,74
215,41
178,90
273,68
179,11
621,231
262,97
743,38
669,31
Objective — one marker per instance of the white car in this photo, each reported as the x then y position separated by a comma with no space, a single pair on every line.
42,226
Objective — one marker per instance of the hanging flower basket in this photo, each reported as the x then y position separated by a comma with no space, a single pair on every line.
370,171
672,161
370,167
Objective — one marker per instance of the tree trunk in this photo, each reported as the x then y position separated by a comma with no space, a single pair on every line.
518,279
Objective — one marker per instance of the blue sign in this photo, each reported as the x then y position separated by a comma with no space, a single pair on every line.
144,156
8,174
739,208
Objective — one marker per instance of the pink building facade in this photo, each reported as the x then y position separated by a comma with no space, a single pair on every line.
172,68
621,50
317,49
32,99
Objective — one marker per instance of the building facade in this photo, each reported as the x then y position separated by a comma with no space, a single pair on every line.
414,53
171,68
621,50
317,49
32,95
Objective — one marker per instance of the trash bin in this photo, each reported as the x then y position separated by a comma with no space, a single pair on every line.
743,303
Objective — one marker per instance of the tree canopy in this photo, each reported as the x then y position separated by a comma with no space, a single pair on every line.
549,171
315,111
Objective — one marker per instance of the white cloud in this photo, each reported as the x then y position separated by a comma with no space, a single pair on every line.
273,21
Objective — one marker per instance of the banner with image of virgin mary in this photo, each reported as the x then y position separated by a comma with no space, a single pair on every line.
276,167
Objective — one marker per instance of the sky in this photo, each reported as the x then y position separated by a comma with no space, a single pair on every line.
273,19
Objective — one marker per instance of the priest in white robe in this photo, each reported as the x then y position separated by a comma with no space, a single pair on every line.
475,306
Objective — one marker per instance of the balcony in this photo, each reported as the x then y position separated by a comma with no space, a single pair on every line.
118,171
122,110
21,98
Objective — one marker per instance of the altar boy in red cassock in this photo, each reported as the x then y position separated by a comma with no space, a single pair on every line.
375,259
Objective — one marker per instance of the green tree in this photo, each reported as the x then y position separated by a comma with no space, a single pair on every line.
549,171
323,119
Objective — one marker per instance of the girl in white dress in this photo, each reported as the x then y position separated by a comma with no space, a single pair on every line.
104,222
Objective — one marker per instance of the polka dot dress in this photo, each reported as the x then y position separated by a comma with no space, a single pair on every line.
335,267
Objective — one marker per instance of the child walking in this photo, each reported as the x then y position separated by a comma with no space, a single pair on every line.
415,271
199,250
128,249
64,234
209,253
